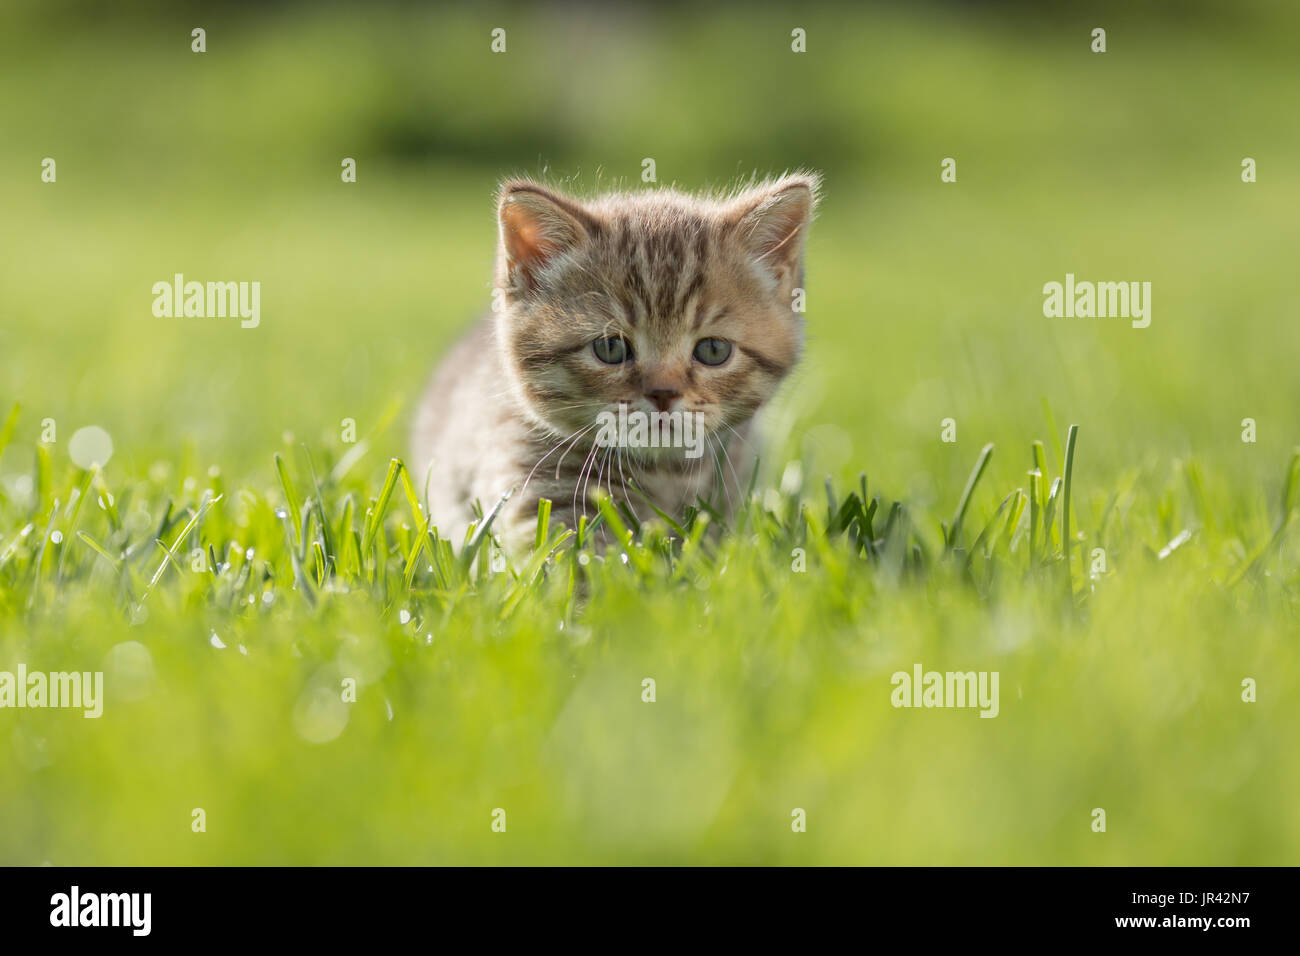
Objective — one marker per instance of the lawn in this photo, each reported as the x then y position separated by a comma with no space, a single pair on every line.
288,645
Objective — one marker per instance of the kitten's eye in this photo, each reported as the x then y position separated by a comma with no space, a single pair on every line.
712,351
613,350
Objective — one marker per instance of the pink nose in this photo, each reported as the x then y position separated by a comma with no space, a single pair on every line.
662,398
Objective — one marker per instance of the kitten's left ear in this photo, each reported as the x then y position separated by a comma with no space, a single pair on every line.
773,220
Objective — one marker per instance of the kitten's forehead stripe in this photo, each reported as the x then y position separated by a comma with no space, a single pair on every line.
652,266
670,267
696,310
638,295
692,285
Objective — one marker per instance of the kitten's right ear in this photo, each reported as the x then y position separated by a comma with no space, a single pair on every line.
537,226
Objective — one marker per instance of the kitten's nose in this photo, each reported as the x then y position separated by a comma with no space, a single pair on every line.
662,398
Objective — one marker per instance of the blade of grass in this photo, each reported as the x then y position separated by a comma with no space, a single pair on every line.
543,522
376,515
472,547
954,527
1065,504
290,496
11,422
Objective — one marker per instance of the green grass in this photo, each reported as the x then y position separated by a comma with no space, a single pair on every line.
522,688
487,684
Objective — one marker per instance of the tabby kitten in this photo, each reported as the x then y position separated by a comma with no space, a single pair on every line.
676,308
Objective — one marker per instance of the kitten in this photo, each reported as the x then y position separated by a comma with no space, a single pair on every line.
670,309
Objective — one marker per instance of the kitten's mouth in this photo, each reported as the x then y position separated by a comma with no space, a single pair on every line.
653,435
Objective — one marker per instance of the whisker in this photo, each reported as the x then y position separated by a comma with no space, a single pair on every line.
560,463
553,450
585,465
623,481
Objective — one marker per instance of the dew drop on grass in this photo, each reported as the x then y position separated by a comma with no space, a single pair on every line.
57,537
216,642
90,446
320,714
404,616
129,671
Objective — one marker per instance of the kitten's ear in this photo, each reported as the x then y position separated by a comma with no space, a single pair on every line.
537,225
772,221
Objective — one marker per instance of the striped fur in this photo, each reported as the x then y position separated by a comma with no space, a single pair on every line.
515,404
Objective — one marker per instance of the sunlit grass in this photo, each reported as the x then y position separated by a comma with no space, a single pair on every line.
227,620
236,560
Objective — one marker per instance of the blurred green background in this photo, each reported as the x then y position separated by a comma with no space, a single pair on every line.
924,303
924,298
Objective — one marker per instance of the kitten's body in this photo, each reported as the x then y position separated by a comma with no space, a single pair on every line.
514,404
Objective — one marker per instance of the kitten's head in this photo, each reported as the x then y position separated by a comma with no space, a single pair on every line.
658,301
